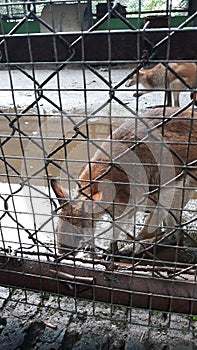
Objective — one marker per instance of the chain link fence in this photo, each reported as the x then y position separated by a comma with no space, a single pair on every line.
98,169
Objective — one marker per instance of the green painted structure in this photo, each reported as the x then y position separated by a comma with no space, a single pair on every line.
31,26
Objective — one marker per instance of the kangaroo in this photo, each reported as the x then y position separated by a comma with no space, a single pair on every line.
149,164
159,77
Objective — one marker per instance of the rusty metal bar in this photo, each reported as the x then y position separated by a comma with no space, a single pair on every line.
111,286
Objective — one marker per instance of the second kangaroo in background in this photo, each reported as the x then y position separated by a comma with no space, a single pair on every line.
159,77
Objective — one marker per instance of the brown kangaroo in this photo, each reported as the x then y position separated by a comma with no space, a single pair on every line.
149,164
159,77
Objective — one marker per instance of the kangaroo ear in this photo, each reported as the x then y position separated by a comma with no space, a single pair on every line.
60,192
140,72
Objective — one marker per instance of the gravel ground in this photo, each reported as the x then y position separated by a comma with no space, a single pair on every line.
72,83
33,321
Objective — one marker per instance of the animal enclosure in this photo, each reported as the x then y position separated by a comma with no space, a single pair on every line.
98,176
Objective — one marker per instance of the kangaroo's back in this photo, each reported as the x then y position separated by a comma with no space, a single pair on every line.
187,70
179,134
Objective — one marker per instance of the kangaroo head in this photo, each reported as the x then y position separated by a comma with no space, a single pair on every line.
134,79
140,80
76,218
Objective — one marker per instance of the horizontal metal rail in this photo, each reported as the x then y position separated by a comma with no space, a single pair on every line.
111,286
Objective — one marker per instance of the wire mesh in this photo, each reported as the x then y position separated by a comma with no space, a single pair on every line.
98,188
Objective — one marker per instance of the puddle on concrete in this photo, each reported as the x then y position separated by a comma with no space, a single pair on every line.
35,148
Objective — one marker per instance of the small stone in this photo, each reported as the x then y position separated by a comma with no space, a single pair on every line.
35,133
